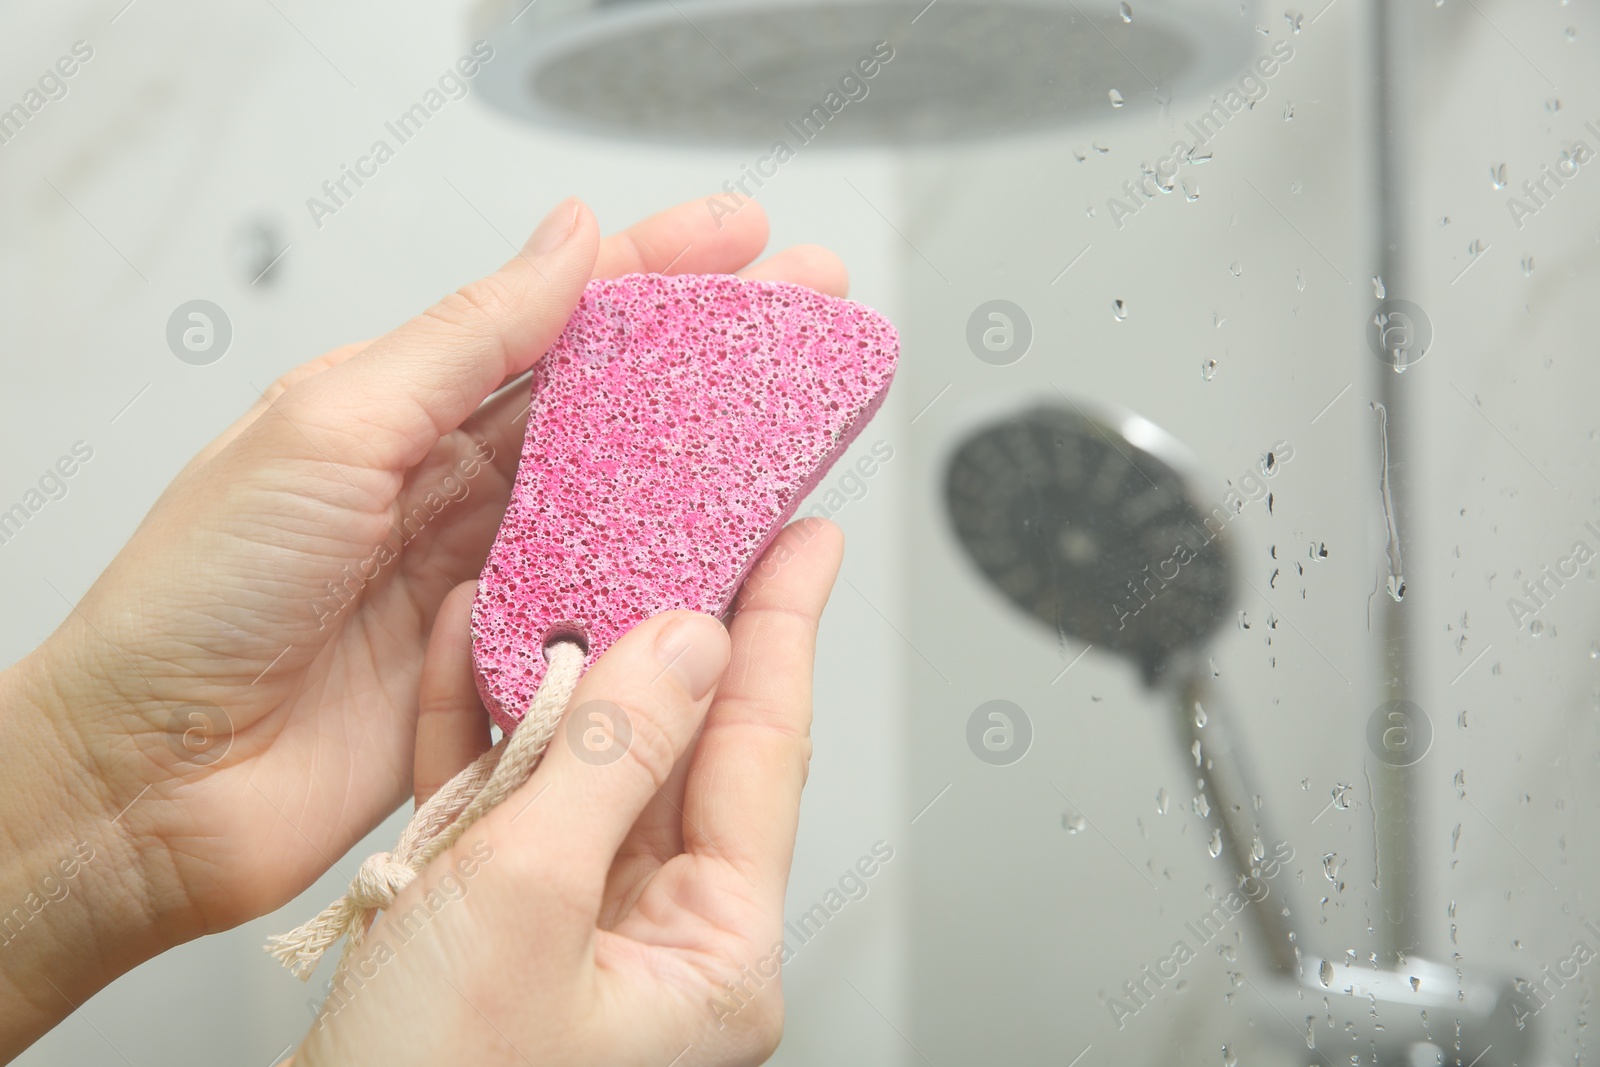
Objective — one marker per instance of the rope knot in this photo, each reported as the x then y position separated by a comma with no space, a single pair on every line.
438,824
379,881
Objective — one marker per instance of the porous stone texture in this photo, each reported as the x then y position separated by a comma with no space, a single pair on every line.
675,426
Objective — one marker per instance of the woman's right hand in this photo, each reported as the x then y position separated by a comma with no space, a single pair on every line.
621,908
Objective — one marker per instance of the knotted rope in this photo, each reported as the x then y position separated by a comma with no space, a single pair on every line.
438,824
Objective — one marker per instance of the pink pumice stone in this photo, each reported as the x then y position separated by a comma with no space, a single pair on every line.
675,426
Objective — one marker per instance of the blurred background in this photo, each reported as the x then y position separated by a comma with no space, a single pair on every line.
1311,276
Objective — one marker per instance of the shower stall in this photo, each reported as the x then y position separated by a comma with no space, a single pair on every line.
1216,657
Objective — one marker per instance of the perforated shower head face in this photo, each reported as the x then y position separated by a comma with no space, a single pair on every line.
753,71
1087,525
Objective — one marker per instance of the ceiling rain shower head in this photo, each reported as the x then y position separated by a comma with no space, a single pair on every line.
738,71
1078,519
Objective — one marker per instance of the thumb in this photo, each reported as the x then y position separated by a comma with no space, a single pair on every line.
630,720
387,407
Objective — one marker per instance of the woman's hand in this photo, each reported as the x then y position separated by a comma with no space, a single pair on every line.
233,703
625,906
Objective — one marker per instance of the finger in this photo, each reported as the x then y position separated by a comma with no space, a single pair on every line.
743,800
387,407
503,419
810,265
698,237
630,720
680,240
452,726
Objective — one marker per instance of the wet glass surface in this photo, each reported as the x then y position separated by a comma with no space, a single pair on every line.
1217,654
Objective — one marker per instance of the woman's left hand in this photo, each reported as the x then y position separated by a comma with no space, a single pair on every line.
233,704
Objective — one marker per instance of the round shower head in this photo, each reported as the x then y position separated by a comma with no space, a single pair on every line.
1086,522
765,71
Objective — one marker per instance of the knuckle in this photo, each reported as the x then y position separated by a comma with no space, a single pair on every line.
651,748
294,376
477,308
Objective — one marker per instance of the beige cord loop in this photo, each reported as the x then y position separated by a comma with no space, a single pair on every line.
438,824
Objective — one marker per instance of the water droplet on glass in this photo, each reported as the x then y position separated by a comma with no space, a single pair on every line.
1125,11
1299,280
1215,845
1208,369
1116,98
1460,782
1377,287
1098,147
1536,627
1497,176
1194,750
1594,649
1288,111
1119,310
1570,33
1228,1058
1527,266
1162,800
1073,823
1552,105
1294,21
1395,583
1416,984
1235,268
1325,973
1199,715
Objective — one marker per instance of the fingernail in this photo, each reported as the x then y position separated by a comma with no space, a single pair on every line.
554,230
694,649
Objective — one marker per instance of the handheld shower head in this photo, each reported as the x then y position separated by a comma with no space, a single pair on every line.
1087,523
